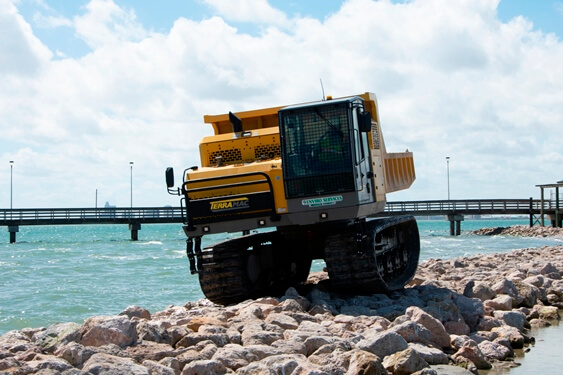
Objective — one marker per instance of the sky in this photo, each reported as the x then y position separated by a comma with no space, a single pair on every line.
87,87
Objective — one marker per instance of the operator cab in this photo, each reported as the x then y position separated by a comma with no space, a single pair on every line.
325,152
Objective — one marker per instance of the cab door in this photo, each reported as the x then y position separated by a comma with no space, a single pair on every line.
363,164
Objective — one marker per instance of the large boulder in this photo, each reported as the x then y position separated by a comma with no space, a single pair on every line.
515,319
438,334
57,335
495,351
383,344
432,356
404,362
529,294
471,309
471,352
103,330
101,363
479,290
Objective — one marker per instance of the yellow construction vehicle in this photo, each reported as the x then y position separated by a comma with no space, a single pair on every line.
300,182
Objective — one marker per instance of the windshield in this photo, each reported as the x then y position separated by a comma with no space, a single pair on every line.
317,155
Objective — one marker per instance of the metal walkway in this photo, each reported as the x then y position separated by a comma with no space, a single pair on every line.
454,210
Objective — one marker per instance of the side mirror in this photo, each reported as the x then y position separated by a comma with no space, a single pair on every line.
170,177
364,121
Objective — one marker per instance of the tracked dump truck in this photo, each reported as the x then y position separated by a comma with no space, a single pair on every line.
298,183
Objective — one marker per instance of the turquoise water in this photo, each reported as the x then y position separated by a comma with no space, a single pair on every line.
68,273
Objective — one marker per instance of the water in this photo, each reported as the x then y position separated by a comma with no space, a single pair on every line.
68,273
544,356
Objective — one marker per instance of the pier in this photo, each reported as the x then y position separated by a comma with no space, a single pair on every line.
453,210
133,217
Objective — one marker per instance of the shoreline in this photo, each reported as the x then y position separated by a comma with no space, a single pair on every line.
464,312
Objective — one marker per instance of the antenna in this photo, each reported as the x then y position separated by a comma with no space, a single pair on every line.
322,87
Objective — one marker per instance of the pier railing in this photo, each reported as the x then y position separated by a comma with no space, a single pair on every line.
134,217
148,215
468,207
47,216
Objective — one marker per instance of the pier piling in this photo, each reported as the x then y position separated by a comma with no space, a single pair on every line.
13,229
455,224
134,228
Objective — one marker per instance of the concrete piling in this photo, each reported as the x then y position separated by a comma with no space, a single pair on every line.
134,228
455,224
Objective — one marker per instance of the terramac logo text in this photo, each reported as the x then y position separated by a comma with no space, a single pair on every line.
230,204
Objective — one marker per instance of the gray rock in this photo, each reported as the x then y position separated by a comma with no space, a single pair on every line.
282,320
12,340
259,337
515,319
383,344
294,346
501,302
74,353
471,309
536,280
507,287
191,339
56,335
471,352
156,368
137,312
404,362
49,362
487,323
457,328
495,351
211,367
364,363
479,290
234,356
153,331
412,332
171,363
512,334
102,330
530,294
450,370
106,364
438,334
547,312
431,355
279,364
444,311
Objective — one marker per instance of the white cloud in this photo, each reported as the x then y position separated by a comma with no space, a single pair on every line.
106,23
20,51
255,11
452,80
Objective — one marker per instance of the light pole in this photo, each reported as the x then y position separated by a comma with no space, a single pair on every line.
131,164
448,166
11,182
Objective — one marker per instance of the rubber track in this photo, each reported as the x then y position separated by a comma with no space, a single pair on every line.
220,272
223,269
359,269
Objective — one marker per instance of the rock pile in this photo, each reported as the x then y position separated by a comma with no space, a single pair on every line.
521,230
456,317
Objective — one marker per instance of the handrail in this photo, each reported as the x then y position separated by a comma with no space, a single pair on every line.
90,215
468,205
